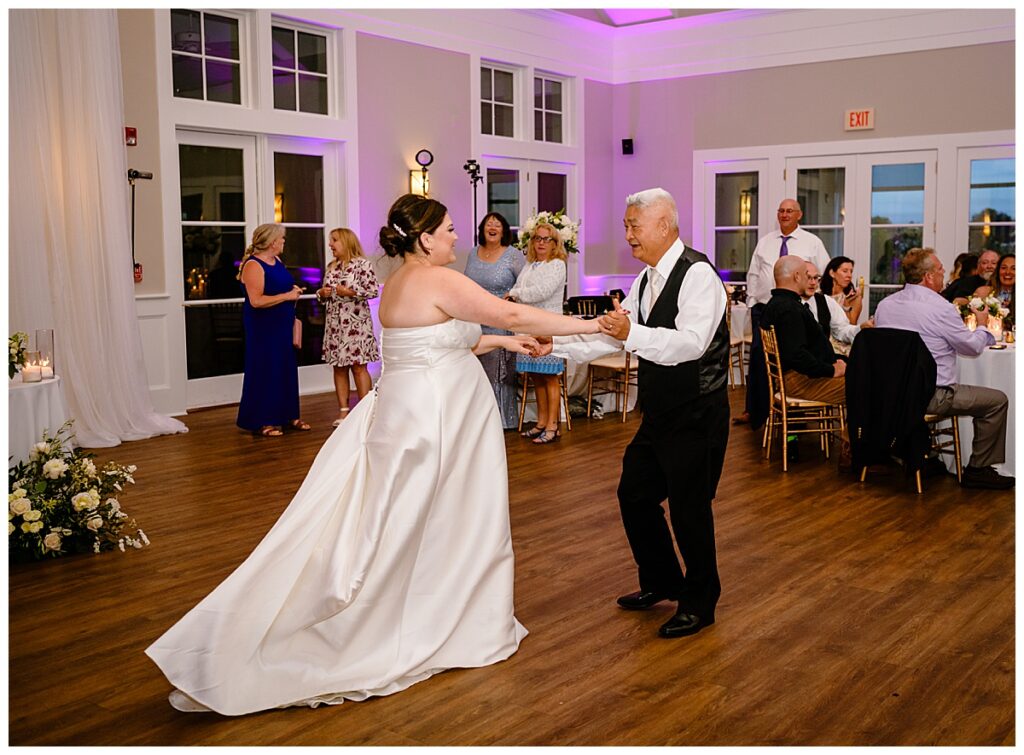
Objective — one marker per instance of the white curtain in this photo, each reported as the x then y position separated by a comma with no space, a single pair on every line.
70,258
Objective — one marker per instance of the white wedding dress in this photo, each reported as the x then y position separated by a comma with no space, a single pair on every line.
393,561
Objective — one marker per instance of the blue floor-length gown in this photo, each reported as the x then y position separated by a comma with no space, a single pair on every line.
270,386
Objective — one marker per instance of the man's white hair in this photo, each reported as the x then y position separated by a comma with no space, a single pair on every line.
651,197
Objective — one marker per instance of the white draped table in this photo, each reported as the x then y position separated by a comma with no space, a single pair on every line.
992,369
32,408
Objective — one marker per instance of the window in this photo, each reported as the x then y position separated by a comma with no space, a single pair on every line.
299,61
497,102
992,216
821,193
897,223
736,223
547,109
205,56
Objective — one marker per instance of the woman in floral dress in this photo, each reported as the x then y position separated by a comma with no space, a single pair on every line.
348,333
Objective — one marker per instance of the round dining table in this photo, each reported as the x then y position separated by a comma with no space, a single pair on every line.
993,368
31,409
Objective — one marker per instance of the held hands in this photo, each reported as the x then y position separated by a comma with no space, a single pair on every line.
524,345
616,323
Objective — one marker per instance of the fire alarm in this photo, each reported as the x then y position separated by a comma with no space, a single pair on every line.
131,136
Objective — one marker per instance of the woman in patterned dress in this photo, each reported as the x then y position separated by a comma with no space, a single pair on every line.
494,266
348,332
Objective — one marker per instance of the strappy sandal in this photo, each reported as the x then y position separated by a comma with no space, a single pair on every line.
270,431
298,424
339,420
548,436
531,434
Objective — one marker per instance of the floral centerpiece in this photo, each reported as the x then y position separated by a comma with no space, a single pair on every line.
991,303
16,346
61,502
567,228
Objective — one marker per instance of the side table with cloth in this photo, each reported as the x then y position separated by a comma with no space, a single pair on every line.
32,408
992,369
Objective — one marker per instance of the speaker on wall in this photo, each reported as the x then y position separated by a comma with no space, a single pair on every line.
627,146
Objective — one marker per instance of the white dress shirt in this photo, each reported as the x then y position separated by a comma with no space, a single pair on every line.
839,324
541,285
701,304
761,275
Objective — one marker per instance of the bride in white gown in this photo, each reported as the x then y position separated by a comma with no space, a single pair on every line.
394,560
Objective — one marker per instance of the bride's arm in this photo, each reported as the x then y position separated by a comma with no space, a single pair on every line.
517,344
459,297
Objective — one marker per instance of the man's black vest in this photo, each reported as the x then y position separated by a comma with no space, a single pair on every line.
824,314
664,388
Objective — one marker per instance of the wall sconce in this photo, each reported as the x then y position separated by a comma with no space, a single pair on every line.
278,208
419,180
745,203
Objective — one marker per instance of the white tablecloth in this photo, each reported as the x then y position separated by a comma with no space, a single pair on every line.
992,369
32,408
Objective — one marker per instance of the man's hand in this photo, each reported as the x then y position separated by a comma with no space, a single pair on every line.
868,323
839,368
981,316
616,323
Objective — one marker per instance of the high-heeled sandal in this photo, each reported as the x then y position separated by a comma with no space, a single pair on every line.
531,434
344,413
548,436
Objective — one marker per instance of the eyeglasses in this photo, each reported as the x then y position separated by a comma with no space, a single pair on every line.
814,277
787,211
543,239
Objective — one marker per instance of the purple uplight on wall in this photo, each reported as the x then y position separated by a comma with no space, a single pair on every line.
627,16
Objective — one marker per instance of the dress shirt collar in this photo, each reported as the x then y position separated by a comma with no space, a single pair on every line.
669,259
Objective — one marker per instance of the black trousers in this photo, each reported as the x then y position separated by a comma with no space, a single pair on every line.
678,457
757,379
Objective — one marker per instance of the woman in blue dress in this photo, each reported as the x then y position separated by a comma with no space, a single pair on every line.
270,385
494,266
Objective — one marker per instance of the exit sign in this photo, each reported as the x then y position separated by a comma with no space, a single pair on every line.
860,120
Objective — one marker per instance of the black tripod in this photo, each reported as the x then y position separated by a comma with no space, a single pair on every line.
472,167
132,176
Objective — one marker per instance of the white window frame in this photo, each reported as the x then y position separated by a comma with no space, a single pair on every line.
544,76
760,225
517,98
963,198
244,56
849,165
333,75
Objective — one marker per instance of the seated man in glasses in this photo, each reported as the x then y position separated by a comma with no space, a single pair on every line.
830,315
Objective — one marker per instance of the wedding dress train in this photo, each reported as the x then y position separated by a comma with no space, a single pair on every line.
393,561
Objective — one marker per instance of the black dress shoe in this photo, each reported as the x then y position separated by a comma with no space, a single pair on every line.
985,478
641,601
683,624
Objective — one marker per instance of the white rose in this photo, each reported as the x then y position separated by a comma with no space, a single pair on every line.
95,523
565,234
18,493
33,516
113,504
31,526
52,542
39,449
976,303
88,467
54,468
87,500
21,506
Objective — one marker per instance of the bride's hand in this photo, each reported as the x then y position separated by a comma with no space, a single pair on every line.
522,345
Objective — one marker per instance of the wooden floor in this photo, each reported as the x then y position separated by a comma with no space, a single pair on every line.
850,615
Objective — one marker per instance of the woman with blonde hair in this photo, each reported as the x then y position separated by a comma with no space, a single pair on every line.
541,284
270,384
348,332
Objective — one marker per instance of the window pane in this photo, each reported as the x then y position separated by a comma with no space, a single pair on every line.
538,93
312,94
897,193
221,36
486,127
993,190
553,95
214,340
312,53
832,238
283,47
538,125
1000,238
188,76
284,90
223,82
821,193
733,250
210,258
312,314
485,83
185,34
503,120
304,251
502,86
550,192
212,183
503,193
553,122
876,295
299,179
736,199
888,245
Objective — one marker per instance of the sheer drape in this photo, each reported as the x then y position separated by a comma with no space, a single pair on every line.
70,259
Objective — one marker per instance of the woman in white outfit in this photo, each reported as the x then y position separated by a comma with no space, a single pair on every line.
394,559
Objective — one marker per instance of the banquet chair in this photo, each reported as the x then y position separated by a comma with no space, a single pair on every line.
791,415
562,390
620,374
589,306
739,354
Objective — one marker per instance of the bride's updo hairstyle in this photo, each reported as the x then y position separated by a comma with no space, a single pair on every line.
408,217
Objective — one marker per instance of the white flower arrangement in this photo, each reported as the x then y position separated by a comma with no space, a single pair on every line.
16,345
60,502
567,228
991,303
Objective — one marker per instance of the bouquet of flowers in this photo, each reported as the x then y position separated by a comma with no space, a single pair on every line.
991,303
60,502
16,346
568,229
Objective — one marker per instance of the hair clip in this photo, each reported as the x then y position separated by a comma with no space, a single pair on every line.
399,231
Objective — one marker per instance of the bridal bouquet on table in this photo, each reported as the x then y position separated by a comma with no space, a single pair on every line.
16,346
567,228
61,502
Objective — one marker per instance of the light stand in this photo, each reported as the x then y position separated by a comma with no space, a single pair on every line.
133,175
472,167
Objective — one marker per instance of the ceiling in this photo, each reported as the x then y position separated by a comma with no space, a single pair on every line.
619,17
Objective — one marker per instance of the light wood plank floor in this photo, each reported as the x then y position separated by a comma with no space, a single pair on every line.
850,615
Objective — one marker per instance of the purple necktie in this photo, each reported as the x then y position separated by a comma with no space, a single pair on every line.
784,249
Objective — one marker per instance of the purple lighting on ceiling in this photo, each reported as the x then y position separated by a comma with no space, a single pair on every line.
627,16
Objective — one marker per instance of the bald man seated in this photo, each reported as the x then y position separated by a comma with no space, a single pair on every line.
809,363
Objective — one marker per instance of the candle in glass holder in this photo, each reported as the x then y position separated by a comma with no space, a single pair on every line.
971,322
46,369
995,327
31,372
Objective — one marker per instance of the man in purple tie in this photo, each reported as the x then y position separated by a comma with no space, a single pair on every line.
790,239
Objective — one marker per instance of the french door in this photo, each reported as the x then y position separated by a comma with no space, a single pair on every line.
521,188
